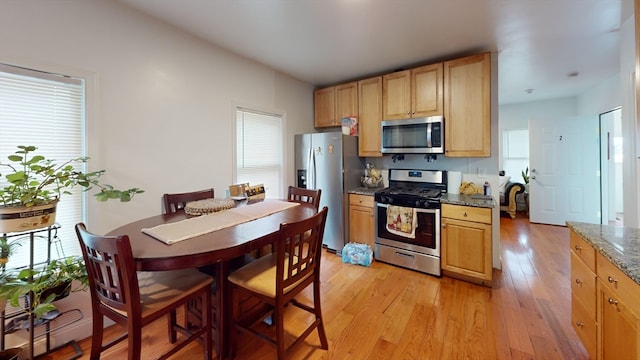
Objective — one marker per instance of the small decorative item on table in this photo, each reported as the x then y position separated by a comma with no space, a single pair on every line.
207,206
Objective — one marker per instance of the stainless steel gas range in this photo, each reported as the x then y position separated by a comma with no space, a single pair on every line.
407,219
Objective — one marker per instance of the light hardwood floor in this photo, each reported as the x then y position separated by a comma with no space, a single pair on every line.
386,312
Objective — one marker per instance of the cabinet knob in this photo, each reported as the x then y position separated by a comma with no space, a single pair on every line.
612,281
579,324
578,248
579,282
464,214
613,301
444,225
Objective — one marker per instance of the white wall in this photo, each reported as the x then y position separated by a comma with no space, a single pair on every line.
161,101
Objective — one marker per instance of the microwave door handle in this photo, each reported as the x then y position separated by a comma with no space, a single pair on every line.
429,140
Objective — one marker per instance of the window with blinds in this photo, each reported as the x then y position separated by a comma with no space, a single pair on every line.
259,150
45,110
515,153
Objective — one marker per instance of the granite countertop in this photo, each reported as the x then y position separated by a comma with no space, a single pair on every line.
620,245
468,200
364,190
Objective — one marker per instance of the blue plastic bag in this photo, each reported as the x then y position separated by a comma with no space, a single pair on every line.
359,254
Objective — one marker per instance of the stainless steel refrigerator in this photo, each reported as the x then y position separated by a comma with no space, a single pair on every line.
329,161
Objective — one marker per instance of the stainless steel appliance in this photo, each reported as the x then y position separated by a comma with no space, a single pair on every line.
329,161
413,136
419,192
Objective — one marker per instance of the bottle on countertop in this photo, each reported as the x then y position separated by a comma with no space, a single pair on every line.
487,188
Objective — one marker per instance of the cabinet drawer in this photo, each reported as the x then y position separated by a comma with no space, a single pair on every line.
361,200
584,251
466,213
584,325
583,284
621,286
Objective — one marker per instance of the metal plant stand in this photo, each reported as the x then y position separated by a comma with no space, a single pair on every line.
20,318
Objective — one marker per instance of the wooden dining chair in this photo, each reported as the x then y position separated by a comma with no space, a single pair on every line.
302,195
177,201
277,278
136,299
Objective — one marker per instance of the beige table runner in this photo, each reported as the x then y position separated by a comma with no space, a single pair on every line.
204,224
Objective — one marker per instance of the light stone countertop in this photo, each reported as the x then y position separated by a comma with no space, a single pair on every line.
467,200
364,190
620,245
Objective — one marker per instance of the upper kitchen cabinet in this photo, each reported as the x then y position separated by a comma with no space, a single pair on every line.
413,93
369,116
333,103
467,106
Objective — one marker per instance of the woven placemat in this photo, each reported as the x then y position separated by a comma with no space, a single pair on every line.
207,206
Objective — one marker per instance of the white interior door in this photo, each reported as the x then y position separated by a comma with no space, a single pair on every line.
564,169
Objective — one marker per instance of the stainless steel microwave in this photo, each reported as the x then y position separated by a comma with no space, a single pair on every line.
413,136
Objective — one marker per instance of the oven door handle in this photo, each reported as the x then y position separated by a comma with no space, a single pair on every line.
418,210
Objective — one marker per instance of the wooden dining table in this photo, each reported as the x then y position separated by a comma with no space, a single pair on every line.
216,248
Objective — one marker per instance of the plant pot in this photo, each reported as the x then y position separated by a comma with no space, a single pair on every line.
10,354
22,218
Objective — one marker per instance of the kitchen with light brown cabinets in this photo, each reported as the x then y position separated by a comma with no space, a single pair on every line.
333,103
413,93
605,311
466,243
361,226
369,116
467,106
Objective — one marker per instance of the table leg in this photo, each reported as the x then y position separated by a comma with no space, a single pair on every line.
224,324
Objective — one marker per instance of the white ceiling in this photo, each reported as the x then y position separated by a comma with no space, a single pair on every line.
324,42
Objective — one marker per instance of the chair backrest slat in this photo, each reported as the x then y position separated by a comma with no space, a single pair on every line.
110,265
302,195
300,243
176,202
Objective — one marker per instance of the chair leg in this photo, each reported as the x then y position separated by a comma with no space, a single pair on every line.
172,327
134,341
233,334
318,312
278,318
96,339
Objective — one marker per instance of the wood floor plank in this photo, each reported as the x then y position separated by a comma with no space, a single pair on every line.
386,312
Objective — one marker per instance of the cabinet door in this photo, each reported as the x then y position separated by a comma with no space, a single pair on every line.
467,106
361,225
324,107
466,248
617,327
427,90
369,117
346,101
396,95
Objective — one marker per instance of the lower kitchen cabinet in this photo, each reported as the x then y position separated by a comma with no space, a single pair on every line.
466,243
604,304
361,228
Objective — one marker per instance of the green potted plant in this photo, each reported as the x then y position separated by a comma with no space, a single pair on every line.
40,286
525,177
35,184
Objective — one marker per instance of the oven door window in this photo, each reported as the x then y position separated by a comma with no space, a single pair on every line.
426,228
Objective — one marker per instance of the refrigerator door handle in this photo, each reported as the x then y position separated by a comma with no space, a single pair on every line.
311,169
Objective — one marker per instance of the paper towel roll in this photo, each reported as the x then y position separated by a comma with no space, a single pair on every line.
453,182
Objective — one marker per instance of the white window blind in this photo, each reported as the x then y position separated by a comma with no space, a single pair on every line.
515,153
259,150
45,110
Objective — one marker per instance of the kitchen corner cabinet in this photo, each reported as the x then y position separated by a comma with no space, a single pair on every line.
361,226
369,117
333,103
467,106
413,93
617,312
466,243
604,304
